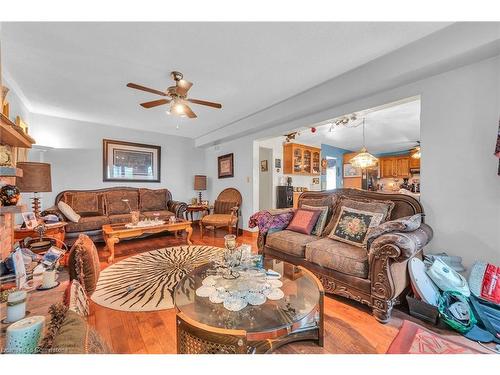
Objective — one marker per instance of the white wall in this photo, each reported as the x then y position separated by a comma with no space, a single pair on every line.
74,150
459,123
266,186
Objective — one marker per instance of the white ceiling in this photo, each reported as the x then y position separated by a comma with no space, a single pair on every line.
389,129
79,70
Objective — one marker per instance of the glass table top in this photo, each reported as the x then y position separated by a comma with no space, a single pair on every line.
301,296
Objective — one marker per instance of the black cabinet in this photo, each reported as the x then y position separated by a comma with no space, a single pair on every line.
284,196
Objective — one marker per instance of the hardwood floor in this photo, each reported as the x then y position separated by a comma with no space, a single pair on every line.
349,327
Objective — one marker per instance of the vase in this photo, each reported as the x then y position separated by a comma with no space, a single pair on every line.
9,195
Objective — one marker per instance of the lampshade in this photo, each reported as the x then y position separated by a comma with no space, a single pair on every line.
364,159
200,182
36,177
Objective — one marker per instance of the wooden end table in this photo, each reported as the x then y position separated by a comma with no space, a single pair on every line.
55,231
113,233
196,208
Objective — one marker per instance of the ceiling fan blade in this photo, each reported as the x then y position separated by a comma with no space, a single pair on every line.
144,88
204,102
155,103
189,113
183,87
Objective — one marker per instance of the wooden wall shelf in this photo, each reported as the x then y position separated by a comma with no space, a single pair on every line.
11,172
12,209
10,136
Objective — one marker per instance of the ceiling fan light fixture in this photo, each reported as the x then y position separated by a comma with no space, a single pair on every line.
416,153
177,109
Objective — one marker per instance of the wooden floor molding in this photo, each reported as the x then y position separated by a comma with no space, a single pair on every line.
349,326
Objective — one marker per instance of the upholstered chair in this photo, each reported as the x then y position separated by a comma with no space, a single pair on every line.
224,213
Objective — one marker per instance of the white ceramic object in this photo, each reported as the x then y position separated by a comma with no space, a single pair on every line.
205,291
255,299
422,283
275,294
24,335
235,303
275,283
209,281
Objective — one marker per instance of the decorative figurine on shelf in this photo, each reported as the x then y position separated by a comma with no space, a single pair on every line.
6,159
4,103
9,195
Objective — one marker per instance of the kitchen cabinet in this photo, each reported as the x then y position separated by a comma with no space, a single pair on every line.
394,166
414,163
301,159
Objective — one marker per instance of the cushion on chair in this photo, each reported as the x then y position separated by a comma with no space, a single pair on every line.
338,256
87,223
85,202
83,263
304,220
152,200
120,219
289,242
219,219
223,207
370,205
115,205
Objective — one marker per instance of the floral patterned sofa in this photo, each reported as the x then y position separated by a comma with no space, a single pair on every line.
105,206
374,274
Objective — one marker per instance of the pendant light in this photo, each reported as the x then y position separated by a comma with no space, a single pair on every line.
363,159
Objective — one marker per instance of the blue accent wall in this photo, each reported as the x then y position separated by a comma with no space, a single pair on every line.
337,153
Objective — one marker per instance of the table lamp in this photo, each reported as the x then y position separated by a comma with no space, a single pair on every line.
200,184
36,179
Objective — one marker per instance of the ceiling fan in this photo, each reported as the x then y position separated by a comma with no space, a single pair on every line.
177,97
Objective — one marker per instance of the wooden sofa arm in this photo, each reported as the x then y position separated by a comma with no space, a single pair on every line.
178,208
388,257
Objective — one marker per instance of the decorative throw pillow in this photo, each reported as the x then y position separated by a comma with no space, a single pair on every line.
353,225
304,221
83,263
320,224
76,298
153,200
68,212
69,333
403,224
370,205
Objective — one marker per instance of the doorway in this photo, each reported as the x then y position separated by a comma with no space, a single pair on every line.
265,178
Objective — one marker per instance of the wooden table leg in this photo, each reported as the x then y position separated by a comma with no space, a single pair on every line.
110,244
189,232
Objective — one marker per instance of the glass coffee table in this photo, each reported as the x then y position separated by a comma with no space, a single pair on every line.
206,327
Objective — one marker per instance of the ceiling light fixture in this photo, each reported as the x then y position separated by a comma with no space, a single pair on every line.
416,152
363,159
177,108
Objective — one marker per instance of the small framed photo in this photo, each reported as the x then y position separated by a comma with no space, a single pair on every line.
277,163
29,220
263,166
225,165
350,171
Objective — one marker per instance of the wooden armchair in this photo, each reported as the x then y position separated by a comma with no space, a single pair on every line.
224,213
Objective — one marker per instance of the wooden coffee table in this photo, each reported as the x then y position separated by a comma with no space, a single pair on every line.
113,233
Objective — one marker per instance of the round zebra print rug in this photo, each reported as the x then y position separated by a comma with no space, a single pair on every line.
146,282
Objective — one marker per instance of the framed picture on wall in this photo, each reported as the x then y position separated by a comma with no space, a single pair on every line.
225,166
350,171
133,162
263,166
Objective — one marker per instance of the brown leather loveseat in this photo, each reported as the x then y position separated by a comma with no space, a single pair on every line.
106,206
375,275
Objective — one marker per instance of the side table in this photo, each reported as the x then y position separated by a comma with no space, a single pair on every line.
195,208
56,231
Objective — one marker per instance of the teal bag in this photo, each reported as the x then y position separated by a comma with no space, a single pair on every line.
446,300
